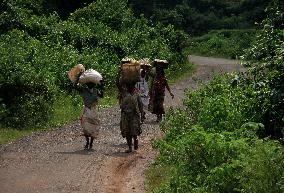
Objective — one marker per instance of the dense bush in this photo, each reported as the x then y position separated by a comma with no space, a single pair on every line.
220,162
25,92
213,145
38,47
197,17
222,106
223,140
266,65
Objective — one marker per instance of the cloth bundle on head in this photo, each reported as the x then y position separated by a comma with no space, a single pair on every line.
90,75
74,72
78,73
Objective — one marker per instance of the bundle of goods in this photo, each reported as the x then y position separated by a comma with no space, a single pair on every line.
75,72
91,76
130,72
126,60
161,63
78,73
145,63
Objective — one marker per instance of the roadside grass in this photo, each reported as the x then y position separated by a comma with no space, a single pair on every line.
9,134
66,108
156,176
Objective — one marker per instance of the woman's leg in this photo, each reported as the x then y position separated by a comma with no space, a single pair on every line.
91,143
87,142
135,142
159,117
129,143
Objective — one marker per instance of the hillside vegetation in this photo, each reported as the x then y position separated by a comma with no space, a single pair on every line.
39,43
41,40
229,135
197,17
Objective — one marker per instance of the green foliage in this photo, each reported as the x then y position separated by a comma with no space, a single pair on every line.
222,140
203,161
38,47
266,65
222,43
221,106
25,92
200,16
115,14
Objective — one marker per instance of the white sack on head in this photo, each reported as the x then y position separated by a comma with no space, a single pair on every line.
90,76
74,72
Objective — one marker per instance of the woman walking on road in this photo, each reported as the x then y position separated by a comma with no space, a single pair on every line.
90,119
90,86
158,87
131,111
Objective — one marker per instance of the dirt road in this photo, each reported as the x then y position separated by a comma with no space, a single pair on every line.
54,161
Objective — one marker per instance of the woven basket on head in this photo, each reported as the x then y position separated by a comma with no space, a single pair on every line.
74,72
145,62
130,72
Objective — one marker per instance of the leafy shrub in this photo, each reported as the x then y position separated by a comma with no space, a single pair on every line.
216,143
38,47
26,93
266,65
221,106
220,162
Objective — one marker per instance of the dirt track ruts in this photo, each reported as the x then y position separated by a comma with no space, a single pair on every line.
54,161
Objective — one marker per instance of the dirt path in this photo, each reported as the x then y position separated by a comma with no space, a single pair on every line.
54,161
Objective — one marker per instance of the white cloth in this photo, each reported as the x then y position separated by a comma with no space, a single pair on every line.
143,89
90,76
90,121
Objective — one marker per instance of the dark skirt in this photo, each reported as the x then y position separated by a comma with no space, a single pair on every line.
158,104
130,125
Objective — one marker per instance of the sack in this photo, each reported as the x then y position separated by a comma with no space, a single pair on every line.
90,76
130,72
74,72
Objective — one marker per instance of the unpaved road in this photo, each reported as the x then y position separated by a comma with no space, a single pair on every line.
54,161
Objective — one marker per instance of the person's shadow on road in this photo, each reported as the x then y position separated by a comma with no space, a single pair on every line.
78,152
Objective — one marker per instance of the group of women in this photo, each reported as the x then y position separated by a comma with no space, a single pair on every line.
134,98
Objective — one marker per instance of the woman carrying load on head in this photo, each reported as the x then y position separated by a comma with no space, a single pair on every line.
119,83
131,113
90,91
90,118
158,87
